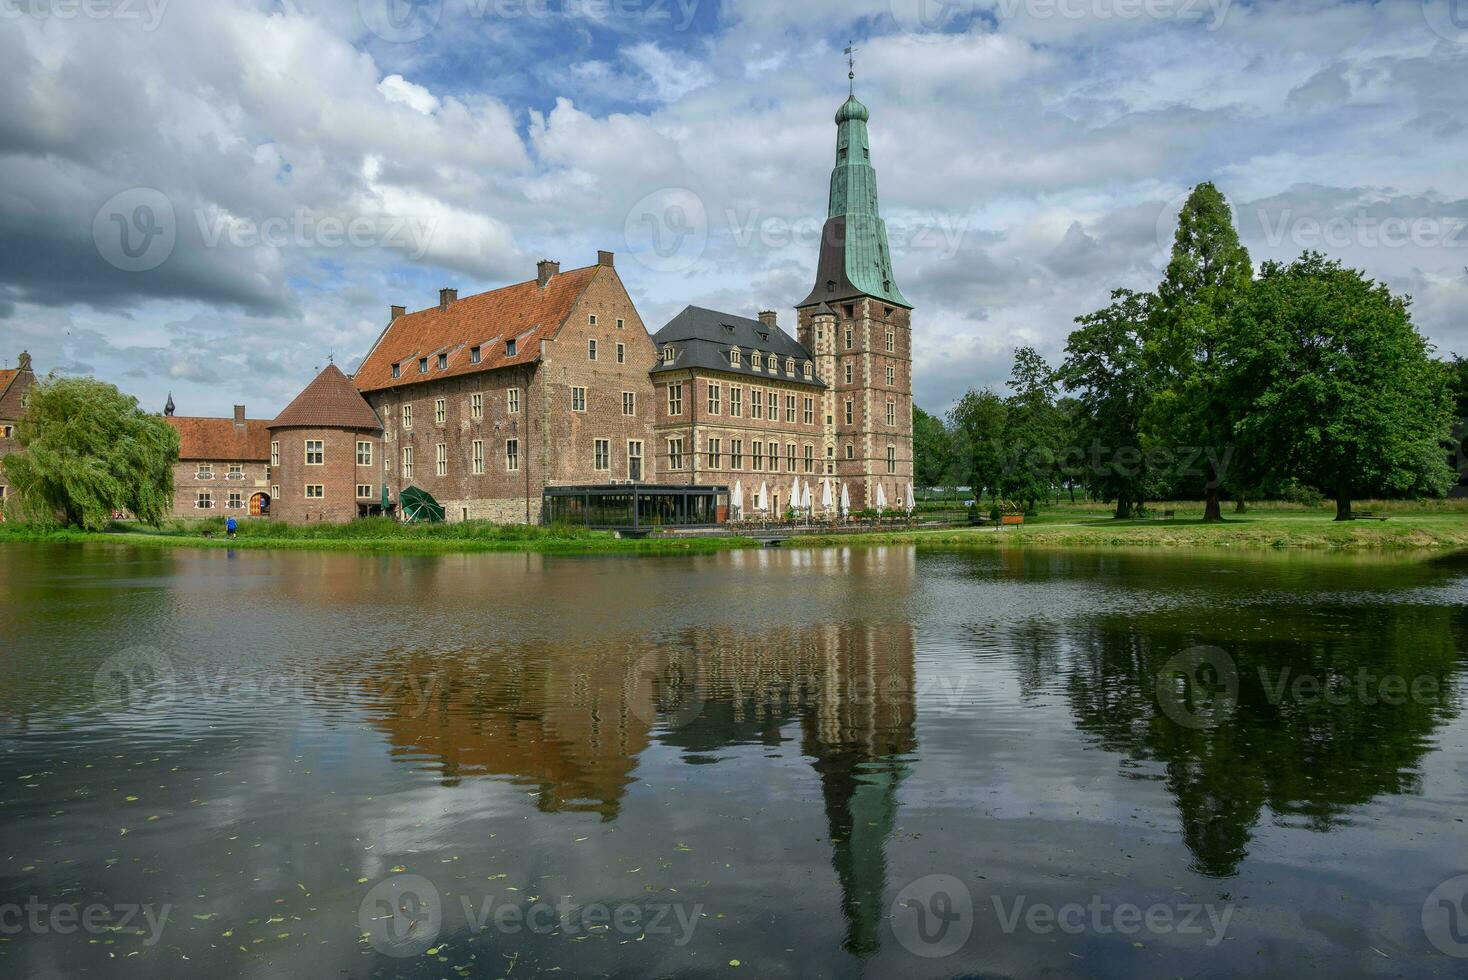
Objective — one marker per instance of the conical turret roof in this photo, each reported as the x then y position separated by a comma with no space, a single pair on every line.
329,402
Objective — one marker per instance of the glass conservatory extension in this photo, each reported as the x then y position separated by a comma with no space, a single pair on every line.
636,507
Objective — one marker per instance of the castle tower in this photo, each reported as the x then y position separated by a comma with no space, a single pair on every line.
859,326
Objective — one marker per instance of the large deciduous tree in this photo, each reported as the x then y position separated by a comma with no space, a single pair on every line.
978,423
88,450
1340,390
1032,432
1192,320
1105,370
932,450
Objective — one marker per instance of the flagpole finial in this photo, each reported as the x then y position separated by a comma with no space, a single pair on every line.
851,65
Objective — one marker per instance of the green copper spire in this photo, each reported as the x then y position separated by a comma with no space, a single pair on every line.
855,259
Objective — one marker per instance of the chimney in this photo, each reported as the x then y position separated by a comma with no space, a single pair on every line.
608,259
447,296
544,270
769,318
397,311
24,364
239,416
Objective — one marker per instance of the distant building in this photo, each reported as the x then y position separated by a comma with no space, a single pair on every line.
15,386
223,465
326,458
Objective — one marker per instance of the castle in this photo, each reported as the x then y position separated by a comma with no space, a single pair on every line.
489,402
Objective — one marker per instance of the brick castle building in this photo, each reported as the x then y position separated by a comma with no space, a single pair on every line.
487,401
15,384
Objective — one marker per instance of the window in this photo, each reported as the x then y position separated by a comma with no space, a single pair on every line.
675,454
512,455
443,361
364,454
891,342
621,323
441,459
275,454
315,452
789,408
736,453
848,338
887,312
756,403
422,365
629,403
773,449
205,472
774,405
848,310
810,410
850,451
736,401
716,458
476,456
735,358
591,319
755,459
668,355
204,501
849,373
675,399
634,460
476,406
891,376
602,452
621,353
591,350
440,411
408,415
790,365
790,458
315,491
512,401
275,493
810,459
578,399
809,371
891,459
475,355
364,491
407,462
397,370
236,472
850,411
714,399
511,347
757,361
891,412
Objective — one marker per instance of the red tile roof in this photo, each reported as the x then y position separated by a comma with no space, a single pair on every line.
6,376
219,439
329,402
524,312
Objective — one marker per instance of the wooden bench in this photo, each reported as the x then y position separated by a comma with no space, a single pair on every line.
1168,515
1366,515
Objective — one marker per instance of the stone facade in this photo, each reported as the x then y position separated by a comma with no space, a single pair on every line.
317,474
223,466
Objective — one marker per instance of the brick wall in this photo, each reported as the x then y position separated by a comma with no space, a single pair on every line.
188,485
338,475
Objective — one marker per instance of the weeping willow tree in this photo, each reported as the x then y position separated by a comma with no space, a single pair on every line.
87,450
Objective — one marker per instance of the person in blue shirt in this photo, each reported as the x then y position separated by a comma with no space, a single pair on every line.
230,526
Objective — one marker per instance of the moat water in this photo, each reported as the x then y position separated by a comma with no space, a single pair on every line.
867,762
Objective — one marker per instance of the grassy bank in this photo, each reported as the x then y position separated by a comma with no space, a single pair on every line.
1433,525
377,535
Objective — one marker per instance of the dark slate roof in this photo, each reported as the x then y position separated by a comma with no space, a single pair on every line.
701,339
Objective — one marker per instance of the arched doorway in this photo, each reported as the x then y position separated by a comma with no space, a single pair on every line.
260,505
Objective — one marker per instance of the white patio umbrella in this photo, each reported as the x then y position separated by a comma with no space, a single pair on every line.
795,497
762,502
911,503
736,508
826,502
881,498
810,498
845,500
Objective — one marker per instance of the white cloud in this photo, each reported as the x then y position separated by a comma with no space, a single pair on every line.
395,88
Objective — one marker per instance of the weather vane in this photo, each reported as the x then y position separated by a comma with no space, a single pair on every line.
851,64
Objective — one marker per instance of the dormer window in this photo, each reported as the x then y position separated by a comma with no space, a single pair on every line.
790,366
422,365
808,370
511,347
397,370
735,358
757,361
764,336
668,355
474,355
443,361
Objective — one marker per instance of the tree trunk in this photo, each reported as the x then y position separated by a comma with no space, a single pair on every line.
1072,493
1123,509
1212,511
1241,506
1343,508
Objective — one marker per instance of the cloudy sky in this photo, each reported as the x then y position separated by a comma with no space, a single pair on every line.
210,197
